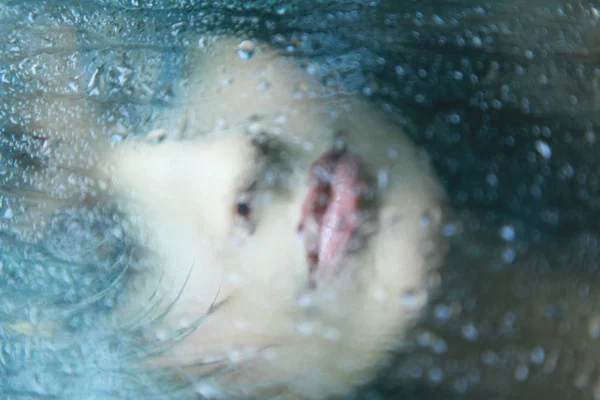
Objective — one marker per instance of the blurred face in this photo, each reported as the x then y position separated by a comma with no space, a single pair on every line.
287,229
313,245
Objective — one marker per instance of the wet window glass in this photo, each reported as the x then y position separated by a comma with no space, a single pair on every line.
299,199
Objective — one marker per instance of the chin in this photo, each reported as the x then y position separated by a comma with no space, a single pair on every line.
291,237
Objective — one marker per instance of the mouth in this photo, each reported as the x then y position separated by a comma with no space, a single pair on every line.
331,213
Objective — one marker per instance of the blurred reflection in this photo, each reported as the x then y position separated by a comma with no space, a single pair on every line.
501,94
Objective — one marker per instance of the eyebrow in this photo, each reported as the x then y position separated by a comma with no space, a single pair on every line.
277,154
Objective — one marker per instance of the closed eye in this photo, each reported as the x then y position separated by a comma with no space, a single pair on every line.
243,208
277,159
270,171
244,201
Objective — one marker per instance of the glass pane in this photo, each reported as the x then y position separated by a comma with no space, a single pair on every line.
299,199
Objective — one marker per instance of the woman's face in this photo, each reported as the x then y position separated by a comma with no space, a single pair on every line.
317,246
144,170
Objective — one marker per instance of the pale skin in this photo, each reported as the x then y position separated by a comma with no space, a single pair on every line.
233,224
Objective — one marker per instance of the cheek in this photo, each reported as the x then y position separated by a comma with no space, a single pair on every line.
273,259
258,280
180,198
200,259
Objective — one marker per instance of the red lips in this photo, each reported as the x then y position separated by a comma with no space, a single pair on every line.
333,203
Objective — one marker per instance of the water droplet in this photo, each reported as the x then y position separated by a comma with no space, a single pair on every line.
439,346
594,326
400,71
437,19
369,89
282,10
537,355
449,230
590,137
8,213
235,356
490,358
382,179
521,373
304,301
241,324
435,375
425,221
492,179
454,118
596,392
207,390
470,332
410,300
424,339
270,354
507,232
461,385
246,49
305,328
581,380
509,255
332,334
441,312
176,28
543,149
